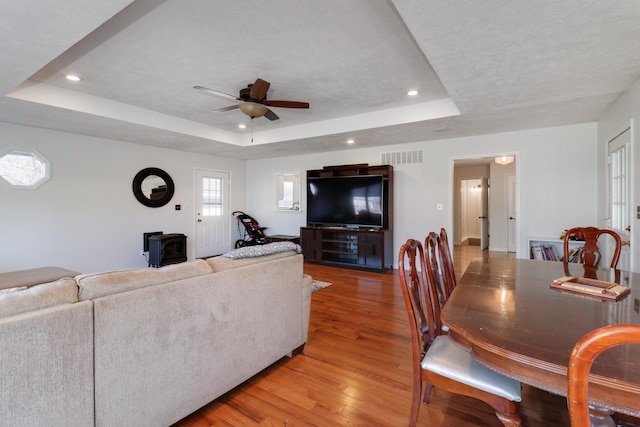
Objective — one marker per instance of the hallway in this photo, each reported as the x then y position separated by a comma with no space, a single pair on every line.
463,254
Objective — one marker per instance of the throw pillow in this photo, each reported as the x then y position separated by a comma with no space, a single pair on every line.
262,250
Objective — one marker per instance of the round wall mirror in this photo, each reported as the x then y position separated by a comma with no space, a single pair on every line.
153,187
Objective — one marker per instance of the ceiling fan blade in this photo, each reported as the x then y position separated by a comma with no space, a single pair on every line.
229,108
271,115
259,89
287,104
216,93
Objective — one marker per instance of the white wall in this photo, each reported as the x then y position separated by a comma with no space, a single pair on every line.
85,217
625,112
555,171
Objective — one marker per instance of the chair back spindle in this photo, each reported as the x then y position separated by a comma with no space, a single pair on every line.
415,295
435,280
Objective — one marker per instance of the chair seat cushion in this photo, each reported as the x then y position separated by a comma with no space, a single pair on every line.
447,359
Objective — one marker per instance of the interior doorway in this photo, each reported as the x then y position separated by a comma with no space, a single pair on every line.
484,203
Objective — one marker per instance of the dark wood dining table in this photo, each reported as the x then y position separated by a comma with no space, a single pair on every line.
505,312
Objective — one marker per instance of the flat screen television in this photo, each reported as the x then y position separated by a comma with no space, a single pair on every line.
346,201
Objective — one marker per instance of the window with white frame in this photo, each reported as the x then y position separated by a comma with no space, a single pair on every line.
288,191
212,196
619,182
24,169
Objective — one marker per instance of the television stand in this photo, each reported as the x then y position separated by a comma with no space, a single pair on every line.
347,247
361,248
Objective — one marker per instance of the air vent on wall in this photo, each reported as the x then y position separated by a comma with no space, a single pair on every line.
411,157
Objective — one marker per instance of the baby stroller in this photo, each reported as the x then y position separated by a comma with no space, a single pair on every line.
253,233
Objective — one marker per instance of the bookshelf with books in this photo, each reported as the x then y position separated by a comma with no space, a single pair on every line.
548,249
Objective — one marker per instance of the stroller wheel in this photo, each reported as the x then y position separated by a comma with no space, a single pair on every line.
240,243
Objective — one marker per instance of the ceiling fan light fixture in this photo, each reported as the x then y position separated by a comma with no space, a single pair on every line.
253,109
504,160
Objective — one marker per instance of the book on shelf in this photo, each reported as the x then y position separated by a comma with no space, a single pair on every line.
545,252
574,255
592,287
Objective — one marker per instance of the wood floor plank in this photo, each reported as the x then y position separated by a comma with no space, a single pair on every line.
356,368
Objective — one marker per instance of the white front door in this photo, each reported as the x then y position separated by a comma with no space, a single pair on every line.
213,219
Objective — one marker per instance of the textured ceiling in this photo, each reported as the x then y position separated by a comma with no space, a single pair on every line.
480,67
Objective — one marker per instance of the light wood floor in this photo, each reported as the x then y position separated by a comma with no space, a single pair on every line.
356,368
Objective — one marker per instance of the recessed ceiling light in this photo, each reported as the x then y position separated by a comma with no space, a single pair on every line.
242,126
350,141
412,92
73,77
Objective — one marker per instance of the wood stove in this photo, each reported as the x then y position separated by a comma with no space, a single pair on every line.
165,249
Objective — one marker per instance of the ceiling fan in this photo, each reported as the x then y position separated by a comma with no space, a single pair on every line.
253,100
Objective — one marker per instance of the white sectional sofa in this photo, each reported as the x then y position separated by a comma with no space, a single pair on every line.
147,347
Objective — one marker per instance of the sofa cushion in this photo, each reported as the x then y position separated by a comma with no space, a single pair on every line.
63,291
222,263
97,285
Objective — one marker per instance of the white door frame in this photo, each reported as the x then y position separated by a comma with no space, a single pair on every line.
453,186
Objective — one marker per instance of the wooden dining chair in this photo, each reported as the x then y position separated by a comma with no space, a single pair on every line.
581,359
441,280
448,272
434,261
590,252
437,360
